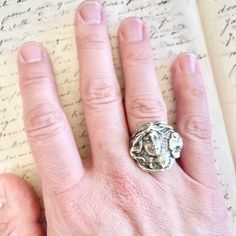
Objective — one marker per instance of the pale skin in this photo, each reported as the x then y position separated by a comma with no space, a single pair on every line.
108,194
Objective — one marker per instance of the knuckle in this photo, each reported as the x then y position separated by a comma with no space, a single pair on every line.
98,95
36,71
195,126
137,56
34,81
147,108
43,122
93,39
193,92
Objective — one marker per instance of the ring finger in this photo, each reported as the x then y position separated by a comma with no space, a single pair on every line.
144,101
143,98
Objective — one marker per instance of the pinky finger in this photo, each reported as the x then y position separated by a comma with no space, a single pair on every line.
193,121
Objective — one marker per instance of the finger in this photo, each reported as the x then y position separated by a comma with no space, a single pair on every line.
193,121
100,91
49,134
143,98
16,195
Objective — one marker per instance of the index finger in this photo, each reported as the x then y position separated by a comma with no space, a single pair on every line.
49,134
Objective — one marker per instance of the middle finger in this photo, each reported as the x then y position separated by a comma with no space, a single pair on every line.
100,91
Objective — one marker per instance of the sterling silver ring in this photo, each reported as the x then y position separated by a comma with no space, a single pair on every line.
155,146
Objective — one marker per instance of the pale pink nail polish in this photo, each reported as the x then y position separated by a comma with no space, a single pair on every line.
91,12
32,53
132,30
188,63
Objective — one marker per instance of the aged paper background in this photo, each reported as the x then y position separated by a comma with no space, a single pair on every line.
173,30
219,21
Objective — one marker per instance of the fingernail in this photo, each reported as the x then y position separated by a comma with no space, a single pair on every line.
132,30
187,63
3,195
91,12
31,53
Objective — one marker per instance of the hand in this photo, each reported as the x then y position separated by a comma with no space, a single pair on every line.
110,195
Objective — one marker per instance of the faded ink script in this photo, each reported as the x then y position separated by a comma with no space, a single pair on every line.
222,18
219,21
173,30
227,15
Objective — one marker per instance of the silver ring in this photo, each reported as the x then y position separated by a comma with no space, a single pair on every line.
155,146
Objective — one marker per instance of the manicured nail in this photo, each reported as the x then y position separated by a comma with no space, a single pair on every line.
132,30
187,63
3,195
31,53
91,12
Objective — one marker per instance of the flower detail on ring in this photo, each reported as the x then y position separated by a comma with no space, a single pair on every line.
175,145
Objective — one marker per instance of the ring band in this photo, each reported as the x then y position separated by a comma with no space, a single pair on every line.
155,146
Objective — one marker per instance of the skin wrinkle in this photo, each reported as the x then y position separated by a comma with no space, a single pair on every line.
137,57
44,121
100,97
163,222
143,108
129,200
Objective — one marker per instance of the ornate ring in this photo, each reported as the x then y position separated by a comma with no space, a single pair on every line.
155,146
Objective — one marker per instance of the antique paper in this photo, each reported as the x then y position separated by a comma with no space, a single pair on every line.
219,21
173,30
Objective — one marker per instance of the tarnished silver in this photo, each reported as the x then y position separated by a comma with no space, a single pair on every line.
155,146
